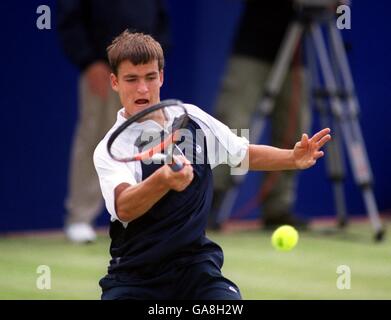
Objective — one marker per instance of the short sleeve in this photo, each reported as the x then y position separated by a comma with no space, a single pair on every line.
111,173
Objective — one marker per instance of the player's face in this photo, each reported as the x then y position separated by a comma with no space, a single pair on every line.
138,86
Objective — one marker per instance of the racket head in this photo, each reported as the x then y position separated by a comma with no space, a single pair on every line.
168,115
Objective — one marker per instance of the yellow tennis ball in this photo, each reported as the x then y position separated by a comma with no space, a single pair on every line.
285,238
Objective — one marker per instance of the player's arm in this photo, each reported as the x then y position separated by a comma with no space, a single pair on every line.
302,156
132,201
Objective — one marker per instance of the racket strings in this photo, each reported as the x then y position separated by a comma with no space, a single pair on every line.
156,136
153,138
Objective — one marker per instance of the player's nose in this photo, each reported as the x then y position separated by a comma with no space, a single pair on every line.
142,87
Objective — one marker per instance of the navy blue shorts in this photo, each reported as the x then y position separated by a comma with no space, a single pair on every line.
201,281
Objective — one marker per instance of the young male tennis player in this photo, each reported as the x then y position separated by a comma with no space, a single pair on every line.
158,216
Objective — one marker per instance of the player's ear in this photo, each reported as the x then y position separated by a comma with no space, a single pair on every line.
161,77
114,82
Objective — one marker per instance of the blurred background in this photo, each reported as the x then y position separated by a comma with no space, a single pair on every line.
39,111
39,104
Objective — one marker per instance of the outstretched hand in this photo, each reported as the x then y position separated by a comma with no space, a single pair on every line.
306,151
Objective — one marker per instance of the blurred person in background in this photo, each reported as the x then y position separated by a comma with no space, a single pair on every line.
86,28
258,38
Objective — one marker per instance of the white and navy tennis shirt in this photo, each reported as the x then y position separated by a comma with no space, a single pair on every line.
173,230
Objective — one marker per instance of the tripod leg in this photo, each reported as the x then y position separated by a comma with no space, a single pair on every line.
272,88
334,153
335,162
351,133
362,168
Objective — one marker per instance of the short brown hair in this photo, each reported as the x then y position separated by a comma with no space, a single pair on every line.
138,48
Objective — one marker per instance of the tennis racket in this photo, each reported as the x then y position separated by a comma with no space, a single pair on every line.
167,117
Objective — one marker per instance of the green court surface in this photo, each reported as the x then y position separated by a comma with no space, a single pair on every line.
310,271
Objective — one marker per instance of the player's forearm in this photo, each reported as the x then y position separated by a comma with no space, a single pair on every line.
136,200
269,158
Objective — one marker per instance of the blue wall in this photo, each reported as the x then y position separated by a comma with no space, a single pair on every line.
38,104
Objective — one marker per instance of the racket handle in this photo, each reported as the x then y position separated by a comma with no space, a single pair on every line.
176,165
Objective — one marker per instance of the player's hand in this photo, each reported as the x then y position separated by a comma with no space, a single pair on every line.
98,79
178,180
306,151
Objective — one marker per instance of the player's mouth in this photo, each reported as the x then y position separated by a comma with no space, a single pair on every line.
142,102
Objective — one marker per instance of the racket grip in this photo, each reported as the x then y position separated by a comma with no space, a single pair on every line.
176,165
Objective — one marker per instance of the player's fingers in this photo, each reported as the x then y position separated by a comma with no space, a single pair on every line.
183,159
311,163
322,141
318,155
188,178
191,175
188,170
304,140
317,136
186,173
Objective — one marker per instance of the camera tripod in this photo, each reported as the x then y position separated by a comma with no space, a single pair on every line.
332,92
